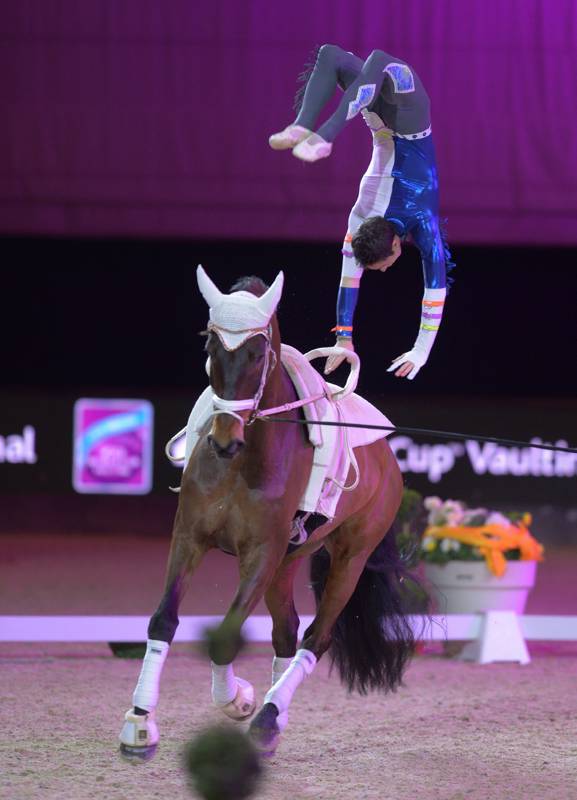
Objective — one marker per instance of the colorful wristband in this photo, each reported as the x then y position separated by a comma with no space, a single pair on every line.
343,330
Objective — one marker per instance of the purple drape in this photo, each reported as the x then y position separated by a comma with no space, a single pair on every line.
144,117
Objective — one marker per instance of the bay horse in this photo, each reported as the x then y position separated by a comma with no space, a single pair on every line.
240,492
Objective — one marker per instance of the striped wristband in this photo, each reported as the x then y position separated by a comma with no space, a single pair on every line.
431,314
343,330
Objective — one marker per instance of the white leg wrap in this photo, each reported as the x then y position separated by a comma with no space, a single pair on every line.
146,693
279,667
224,685
282,692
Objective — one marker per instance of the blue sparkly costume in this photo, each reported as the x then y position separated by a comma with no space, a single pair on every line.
401,184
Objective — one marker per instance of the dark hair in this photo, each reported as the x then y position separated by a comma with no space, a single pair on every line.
373,241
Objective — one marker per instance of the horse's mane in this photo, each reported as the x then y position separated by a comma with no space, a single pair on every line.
249,283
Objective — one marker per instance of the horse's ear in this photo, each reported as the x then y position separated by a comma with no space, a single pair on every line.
269,300
209,291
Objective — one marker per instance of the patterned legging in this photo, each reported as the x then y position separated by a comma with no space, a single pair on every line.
360,81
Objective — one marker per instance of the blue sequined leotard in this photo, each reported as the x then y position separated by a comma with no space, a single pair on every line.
400,184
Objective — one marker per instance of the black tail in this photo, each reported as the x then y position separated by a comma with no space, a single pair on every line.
373,640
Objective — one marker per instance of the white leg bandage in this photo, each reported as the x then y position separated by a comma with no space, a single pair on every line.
282,692
224,685
146,693
279,667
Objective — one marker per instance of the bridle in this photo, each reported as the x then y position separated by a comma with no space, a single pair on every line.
232,407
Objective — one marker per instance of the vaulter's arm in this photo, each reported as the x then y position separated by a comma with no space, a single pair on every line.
348,293
347,298
428,238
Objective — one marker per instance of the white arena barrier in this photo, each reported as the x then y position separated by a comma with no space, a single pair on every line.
493,636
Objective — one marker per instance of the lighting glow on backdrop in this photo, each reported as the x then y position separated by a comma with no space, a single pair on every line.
144,118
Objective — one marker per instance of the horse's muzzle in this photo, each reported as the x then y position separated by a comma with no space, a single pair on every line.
229,451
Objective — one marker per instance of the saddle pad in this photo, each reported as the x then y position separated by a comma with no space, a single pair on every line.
331,461
355,408
308,383
332,444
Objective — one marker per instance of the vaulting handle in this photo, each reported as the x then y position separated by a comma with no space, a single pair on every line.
350,356
179,461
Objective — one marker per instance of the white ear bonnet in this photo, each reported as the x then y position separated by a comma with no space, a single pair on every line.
238,316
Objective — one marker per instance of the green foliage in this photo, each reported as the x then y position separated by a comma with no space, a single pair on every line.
475,521
409,521
464,553
411,506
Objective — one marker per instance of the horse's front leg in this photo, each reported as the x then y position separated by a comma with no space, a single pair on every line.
139,735
234,696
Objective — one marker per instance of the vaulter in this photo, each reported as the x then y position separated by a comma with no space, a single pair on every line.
398,195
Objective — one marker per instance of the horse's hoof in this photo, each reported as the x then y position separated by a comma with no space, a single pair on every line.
243,705
137,755
264,730
138,737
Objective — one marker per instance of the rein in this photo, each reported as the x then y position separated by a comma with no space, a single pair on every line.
264,413
430,432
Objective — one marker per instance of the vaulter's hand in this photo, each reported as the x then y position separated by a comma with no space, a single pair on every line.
404,370
406,366
335,361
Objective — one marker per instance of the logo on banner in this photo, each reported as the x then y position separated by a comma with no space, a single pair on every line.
112,446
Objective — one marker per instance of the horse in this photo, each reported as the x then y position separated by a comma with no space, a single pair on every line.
240,492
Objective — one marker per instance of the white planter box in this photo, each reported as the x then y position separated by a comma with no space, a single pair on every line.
468,587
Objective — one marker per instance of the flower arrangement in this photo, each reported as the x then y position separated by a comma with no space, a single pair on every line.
455,532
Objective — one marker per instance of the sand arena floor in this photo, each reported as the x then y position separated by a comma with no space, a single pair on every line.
453,732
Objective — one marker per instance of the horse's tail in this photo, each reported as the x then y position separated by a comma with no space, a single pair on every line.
373,640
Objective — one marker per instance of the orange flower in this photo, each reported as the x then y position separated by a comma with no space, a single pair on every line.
493,541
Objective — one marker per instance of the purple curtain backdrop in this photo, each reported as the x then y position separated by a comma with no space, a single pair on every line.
143,117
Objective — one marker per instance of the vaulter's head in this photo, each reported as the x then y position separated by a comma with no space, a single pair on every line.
242,336
376,245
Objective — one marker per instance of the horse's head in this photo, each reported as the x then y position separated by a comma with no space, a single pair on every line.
242,354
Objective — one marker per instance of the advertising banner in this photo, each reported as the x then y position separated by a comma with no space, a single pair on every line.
112,446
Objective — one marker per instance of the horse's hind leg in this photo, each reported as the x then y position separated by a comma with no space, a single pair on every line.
267,725
345,570
285,624
139,734
270,721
